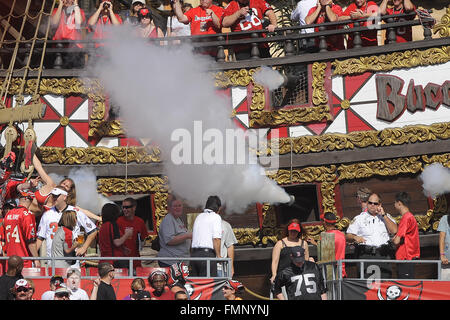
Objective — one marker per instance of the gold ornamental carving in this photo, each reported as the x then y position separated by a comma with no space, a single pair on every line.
381,167
132,185
443,27
388,62
99,155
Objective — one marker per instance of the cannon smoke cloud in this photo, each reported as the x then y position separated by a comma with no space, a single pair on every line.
436,180
163,90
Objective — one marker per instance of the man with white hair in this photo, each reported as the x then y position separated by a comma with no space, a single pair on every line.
49,223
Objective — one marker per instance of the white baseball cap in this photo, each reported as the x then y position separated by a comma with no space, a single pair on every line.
141,1
58,191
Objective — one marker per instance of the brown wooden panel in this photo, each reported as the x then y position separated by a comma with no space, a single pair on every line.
386,187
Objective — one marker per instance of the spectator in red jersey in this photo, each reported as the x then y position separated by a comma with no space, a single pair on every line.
245,15
329,223
110,239
20,231
102,18
407,237
360,9
7,281
129,220
403,34
326,11
68,19
146,27
158,281
204,19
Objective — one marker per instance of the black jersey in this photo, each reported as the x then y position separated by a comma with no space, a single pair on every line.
305,283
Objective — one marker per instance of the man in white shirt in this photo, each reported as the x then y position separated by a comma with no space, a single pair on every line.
73,284
370,231
206,235
49,224
299,14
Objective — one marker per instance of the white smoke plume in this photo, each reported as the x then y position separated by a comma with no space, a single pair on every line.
86,188
436,180
268,77
163,91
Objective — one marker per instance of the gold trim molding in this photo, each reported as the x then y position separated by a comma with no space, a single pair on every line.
100,155
388,62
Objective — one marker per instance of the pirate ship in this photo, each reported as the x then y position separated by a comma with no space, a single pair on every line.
373,117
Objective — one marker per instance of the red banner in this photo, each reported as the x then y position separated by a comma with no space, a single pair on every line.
395,290
198,289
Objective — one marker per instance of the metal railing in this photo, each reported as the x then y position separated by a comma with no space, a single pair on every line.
50,265
332,272
286,38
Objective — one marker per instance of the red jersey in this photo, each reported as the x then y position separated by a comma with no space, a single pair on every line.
200,22
101,31
409,231
132,243
67,29
404,34
339,247
19,231
252,21
106,237
368,38
334,42
11,189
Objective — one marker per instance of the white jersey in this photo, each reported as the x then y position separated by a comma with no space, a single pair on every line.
49,224
372,228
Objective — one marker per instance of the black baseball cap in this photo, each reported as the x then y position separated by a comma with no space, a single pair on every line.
298,254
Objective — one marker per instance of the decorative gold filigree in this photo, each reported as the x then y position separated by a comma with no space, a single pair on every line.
396,60
443,28
247,235
381,167
132,185
304,175
99,155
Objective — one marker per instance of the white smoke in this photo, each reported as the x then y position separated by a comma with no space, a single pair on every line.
86,188
268,77
163,91
436,180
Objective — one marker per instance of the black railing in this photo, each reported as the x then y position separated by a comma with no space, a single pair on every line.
286,39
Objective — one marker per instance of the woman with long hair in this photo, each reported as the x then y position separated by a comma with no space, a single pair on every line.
146,27
282,250
42,200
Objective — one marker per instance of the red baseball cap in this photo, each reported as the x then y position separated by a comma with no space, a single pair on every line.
294,226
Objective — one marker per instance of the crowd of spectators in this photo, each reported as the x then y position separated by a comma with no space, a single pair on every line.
208,18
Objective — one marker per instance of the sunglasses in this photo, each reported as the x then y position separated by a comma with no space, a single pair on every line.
373,203
22,289
127,207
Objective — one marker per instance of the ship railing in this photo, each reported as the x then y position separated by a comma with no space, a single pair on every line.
49,268
287,39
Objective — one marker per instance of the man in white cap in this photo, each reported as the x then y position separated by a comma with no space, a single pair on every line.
62,293
49,224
